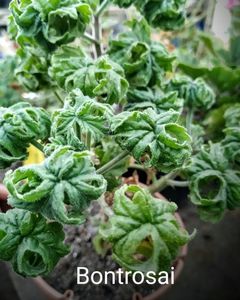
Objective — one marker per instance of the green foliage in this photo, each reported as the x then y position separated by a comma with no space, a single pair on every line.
214,185
106,151
103,78
222,77
9,95
143,60
165,14
32,245
48,22
232,116
235,37
60,188
231,144
80,119
111,103
156,99
19,125
196,93
156,139
32,69
143,231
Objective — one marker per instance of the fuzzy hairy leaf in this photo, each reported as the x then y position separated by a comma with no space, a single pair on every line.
81,118
214,185
60,188
32,69
232,116
103,78
144,61
196,93
155,139
143,231
165,14
231,145
19,125
9,92
49,22
30,243
155,99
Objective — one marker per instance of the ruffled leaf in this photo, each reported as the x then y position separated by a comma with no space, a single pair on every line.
232,116
231,145
19,125
196,93
80,119
155,99
72,69
49,22
214,185
60,188
32,69
155,139
30,243
143,231
144,62
165,14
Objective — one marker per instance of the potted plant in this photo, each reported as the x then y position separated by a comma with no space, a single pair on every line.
121,107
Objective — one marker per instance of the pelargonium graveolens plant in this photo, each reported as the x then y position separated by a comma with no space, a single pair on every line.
126,105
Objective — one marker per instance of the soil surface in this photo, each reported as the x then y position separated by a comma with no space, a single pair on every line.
211,270
83,254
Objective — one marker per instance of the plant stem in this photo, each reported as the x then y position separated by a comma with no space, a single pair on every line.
59,97
88,140
111,164
37,145
198,7
98,36
209,19
162,183
138,167
178,183
189,119
91,39
102,8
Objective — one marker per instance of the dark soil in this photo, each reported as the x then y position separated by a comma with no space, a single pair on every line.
83,254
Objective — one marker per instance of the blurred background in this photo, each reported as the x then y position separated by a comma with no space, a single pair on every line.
211,268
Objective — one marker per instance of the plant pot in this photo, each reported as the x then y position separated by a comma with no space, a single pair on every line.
46,292
3,199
